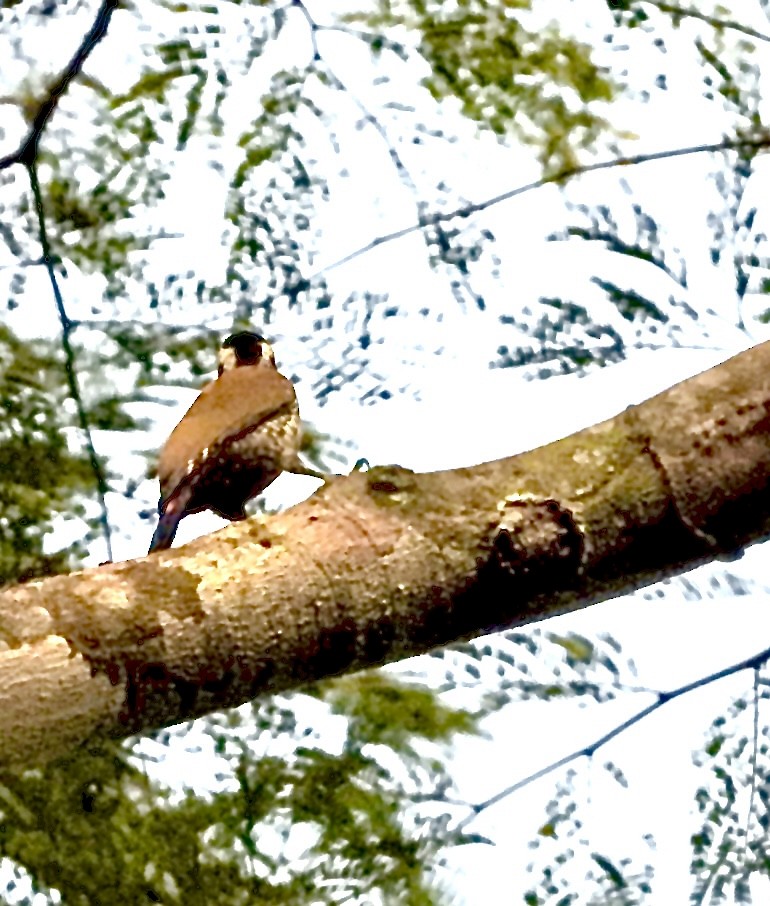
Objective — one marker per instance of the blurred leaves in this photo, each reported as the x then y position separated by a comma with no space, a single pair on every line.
389,712
538,84
39,475
279,829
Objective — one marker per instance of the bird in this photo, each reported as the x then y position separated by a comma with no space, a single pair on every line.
241,432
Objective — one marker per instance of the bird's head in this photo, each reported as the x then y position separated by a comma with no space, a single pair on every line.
245,348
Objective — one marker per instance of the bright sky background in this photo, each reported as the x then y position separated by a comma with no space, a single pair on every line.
458,412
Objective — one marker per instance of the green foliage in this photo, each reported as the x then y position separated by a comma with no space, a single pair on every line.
273,193
39,475
535,83
565,338
386,711
95,827
726,54
562,839
160,353
536,665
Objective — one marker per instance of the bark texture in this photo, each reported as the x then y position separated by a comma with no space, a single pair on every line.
387,563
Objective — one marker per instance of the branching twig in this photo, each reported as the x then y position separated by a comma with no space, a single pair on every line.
27,151
727,144
754,662
26,154
402,170
69,358
336,82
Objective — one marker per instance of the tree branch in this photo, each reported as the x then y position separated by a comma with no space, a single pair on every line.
662,698
69,360
688,12
26,154
27,151
387,563
727,144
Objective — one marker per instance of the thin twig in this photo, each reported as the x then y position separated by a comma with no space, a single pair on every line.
754,747
687,12
69,358
753,662
27,151
731,144
336,82
26,154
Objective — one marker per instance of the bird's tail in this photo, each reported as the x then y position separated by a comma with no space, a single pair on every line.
168,521
164,533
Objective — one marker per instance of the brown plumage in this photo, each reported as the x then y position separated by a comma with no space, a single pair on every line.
237,437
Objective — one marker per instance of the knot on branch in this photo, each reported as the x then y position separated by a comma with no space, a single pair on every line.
390,485
534,549
533,532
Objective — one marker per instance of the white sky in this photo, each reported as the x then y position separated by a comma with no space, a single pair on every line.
671,640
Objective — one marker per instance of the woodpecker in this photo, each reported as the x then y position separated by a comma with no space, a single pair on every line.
237,437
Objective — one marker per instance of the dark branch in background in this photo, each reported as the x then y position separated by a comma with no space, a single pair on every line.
69,360
755,662
687,12
727,144
26,155
27,151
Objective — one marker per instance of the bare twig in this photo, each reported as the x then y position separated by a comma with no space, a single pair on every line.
27,151
26,154
754,748
727,144
752,663
69,358
688,12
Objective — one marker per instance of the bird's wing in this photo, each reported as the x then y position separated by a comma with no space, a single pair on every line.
236,401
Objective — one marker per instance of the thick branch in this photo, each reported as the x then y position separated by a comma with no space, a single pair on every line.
386,564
